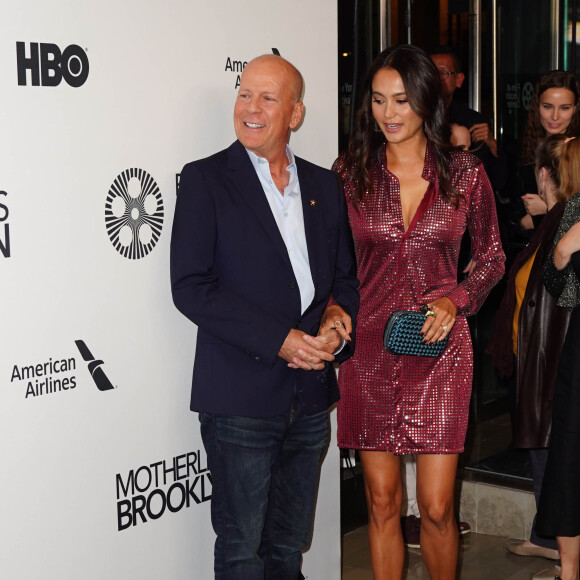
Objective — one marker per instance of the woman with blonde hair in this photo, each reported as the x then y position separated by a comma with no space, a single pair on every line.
559,508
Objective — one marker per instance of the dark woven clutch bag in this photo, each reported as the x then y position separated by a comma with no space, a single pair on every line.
403,335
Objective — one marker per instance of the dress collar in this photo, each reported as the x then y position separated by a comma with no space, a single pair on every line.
429,167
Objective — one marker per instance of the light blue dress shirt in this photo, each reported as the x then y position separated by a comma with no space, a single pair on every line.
287,211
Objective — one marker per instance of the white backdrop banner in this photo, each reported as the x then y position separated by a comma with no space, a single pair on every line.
103,470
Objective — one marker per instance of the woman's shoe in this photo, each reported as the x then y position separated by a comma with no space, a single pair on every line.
520,549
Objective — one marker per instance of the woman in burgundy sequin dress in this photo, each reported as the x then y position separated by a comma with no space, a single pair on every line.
411,197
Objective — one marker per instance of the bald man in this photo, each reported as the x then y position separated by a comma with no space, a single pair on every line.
262,262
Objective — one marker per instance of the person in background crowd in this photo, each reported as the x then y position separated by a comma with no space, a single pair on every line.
559,508
410,196
260,244
483,143
553,111
530,330
460,136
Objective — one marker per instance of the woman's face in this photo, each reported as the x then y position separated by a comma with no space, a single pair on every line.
556,110
391,109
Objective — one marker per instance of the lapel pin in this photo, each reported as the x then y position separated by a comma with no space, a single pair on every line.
312,202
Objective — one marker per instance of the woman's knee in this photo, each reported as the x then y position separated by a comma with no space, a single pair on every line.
384,504
438,514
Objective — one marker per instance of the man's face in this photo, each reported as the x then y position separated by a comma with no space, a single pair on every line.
265,109
450,82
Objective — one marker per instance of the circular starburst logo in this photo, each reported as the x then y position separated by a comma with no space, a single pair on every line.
527,94
134,213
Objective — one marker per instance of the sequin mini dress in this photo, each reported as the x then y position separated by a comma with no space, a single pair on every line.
413,404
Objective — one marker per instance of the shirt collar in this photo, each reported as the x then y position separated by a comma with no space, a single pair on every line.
260,163
257,160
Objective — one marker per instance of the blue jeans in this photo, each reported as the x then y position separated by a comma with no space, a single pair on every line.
265,475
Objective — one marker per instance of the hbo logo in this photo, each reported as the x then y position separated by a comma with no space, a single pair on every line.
48,65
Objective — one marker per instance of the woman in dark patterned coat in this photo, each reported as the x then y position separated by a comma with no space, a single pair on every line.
559,508
410,198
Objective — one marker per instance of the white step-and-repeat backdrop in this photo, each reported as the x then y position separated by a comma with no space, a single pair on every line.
103,472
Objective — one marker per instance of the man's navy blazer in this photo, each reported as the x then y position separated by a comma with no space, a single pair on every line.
231,275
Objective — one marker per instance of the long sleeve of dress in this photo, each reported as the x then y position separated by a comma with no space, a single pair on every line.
486,246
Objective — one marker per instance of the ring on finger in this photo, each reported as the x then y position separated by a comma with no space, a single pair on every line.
444,327
337,323
431,313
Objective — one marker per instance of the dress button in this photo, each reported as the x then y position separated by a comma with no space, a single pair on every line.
532,303
292,285
257,358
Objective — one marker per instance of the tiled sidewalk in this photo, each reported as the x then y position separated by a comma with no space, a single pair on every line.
482,557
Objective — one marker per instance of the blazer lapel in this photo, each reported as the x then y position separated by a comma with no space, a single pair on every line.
248,185
311,210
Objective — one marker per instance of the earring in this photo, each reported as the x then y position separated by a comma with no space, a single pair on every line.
376,127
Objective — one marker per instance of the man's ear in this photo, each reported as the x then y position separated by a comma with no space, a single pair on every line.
459,78
297,114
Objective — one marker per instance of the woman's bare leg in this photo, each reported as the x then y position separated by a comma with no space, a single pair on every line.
382,475
569,548
439,533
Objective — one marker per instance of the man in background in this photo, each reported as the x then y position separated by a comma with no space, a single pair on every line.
483,143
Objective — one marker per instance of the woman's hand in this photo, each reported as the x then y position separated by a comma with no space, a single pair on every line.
469,268
527,223
439,326
534,204
335,318
569,244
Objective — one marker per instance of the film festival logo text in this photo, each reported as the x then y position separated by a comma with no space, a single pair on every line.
48,65
58,375
237,66
134,213
4,227
150,491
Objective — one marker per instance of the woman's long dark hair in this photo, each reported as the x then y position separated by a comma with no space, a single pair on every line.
423,88
534,132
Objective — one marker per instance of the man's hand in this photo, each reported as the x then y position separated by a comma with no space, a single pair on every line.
331,339
482,132
305,352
